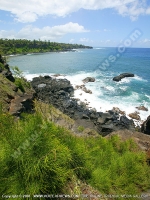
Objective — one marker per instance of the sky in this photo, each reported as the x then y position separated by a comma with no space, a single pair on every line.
97,23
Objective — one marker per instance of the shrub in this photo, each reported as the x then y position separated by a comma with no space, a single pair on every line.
20,81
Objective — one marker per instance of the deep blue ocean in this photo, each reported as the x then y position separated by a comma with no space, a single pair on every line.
103,64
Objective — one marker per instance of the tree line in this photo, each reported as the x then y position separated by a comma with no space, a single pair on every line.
24,46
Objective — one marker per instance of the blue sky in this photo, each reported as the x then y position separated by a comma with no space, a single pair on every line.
98,23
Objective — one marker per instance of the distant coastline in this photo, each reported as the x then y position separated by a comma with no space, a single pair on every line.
24,47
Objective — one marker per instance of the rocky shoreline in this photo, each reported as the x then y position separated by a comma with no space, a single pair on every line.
60,93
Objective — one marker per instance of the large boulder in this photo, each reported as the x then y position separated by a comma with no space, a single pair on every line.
145,128
126,123
51,84
23,103
143,108
121,76
135,116
88,79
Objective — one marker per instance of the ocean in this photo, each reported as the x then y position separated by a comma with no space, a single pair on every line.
102,64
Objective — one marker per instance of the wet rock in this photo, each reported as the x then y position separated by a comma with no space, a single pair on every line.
116,109
87,90
59,92
88,79
82,87
57,75
142,108
135,116
121,76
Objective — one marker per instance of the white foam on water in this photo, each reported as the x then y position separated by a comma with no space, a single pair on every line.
125,80
139,78
98,48
103,103
147,96
98,99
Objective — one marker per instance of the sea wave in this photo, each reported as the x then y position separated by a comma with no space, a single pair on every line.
136,77
104,95
98,48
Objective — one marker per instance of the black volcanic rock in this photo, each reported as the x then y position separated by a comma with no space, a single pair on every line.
121,76
5,70
59,92
145,128
88,79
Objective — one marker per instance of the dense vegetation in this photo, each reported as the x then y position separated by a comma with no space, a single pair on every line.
23,46
39,157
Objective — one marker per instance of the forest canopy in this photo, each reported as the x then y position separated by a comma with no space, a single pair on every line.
24,46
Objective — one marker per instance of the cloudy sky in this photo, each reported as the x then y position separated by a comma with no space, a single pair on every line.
98,23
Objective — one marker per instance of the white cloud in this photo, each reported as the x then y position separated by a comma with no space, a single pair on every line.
46,33
133,9
30,10
146,41
84,40
106,30
148,11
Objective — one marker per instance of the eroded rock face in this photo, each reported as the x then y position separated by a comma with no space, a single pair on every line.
121,76
5,70
145,128
13,100
23,103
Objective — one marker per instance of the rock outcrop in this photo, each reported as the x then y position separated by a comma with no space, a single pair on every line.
82,87
121,76
12,99
135,115
88,79
5,70
142,108
145,128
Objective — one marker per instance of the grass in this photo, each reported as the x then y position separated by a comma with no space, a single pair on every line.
81,128
20,81
39,157
2,66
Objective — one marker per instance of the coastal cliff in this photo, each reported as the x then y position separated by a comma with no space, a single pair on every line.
51,144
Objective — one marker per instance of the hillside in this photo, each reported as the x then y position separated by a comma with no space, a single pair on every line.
45,152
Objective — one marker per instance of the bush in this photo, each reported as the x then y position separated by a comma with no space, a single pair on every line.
20,81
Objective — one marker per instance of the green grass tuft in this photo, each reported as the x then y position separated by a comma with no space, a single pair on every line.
39,157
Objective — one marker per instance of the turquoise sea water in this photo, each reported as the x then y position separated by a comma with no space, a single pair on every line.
106,94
